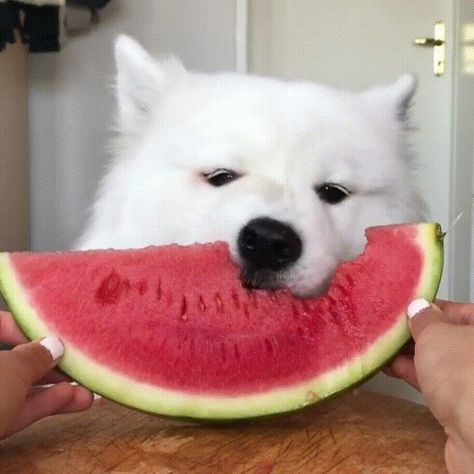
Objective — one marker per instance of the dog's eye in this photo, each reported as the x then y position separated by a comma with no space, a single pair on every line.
332,193
220,176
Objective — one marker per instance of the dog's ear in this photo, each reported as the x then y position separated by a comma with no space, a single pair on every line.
141,79
397,96
402,92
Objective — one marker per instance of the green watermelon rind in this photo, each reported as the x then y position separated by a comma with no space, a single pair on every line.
146,397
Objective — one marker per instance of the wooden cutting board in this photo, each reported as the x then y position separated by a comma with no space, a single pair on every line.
360,432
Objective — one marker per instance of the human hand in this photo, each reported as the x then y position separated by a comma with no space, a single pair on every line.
442,368
21,403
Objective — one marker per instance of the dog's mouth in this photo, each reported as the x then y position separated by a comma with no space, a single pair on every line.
265,279
262,279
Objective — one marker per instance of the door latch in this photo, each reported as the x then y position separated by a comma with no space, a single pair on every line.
438,43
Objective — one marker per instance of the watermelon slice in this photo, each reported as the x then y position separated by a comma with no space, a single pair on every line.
171,330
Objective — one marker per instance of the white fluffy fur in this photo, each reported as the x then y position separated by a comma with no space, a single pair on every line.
283,137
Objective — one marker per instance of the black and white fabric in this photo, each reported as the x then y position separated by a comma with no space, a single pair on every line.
40,23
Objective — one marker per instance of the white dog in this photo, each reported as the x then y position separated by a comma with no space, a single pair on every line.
288,173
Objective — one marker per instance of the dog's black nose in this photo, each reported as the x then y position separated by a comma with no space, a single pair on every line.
268,244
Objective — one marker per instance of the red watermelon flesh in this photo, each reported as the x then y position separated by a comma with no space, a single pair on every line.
175,324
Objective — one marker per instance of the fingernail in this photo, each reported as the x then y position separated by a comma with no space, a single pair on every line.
416,306
54,346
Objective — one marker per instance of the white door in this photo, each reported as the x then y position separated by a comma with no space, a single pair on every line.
356,43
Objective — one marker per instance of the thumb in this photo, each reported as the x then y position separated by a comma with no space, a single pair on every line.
422,313
30,362
19,369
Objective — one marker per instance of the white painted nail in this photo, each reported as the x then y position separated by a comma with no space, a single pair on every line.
416,306
54,346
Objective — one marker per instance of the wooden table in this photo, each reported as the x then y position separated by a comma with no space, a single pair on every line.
360,432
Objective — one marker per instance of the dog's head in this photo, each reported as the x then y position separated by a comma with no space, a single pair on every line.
288,173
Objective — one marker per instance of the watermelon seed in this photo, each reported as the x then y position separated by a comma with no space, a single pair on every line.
333,314
142,287
306,307
235,299
331,308
184,309
158,291
236,352
290,337
254,299
268,346
110,288
223,353
218,300
201,304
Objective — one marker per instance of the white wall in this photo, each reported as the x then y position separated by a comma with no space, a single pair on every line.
70,101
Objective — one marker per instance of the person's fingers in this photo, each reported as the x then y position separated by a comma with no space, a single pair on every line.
31,362
54,376
20,367
403,368
41,403
9,332
388,371
422,314
456,313
54,400
408,348
83,399
11,335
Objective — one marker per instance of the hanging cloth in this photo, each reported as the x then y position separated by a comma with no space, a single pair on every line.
92,4
9,22
40,22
